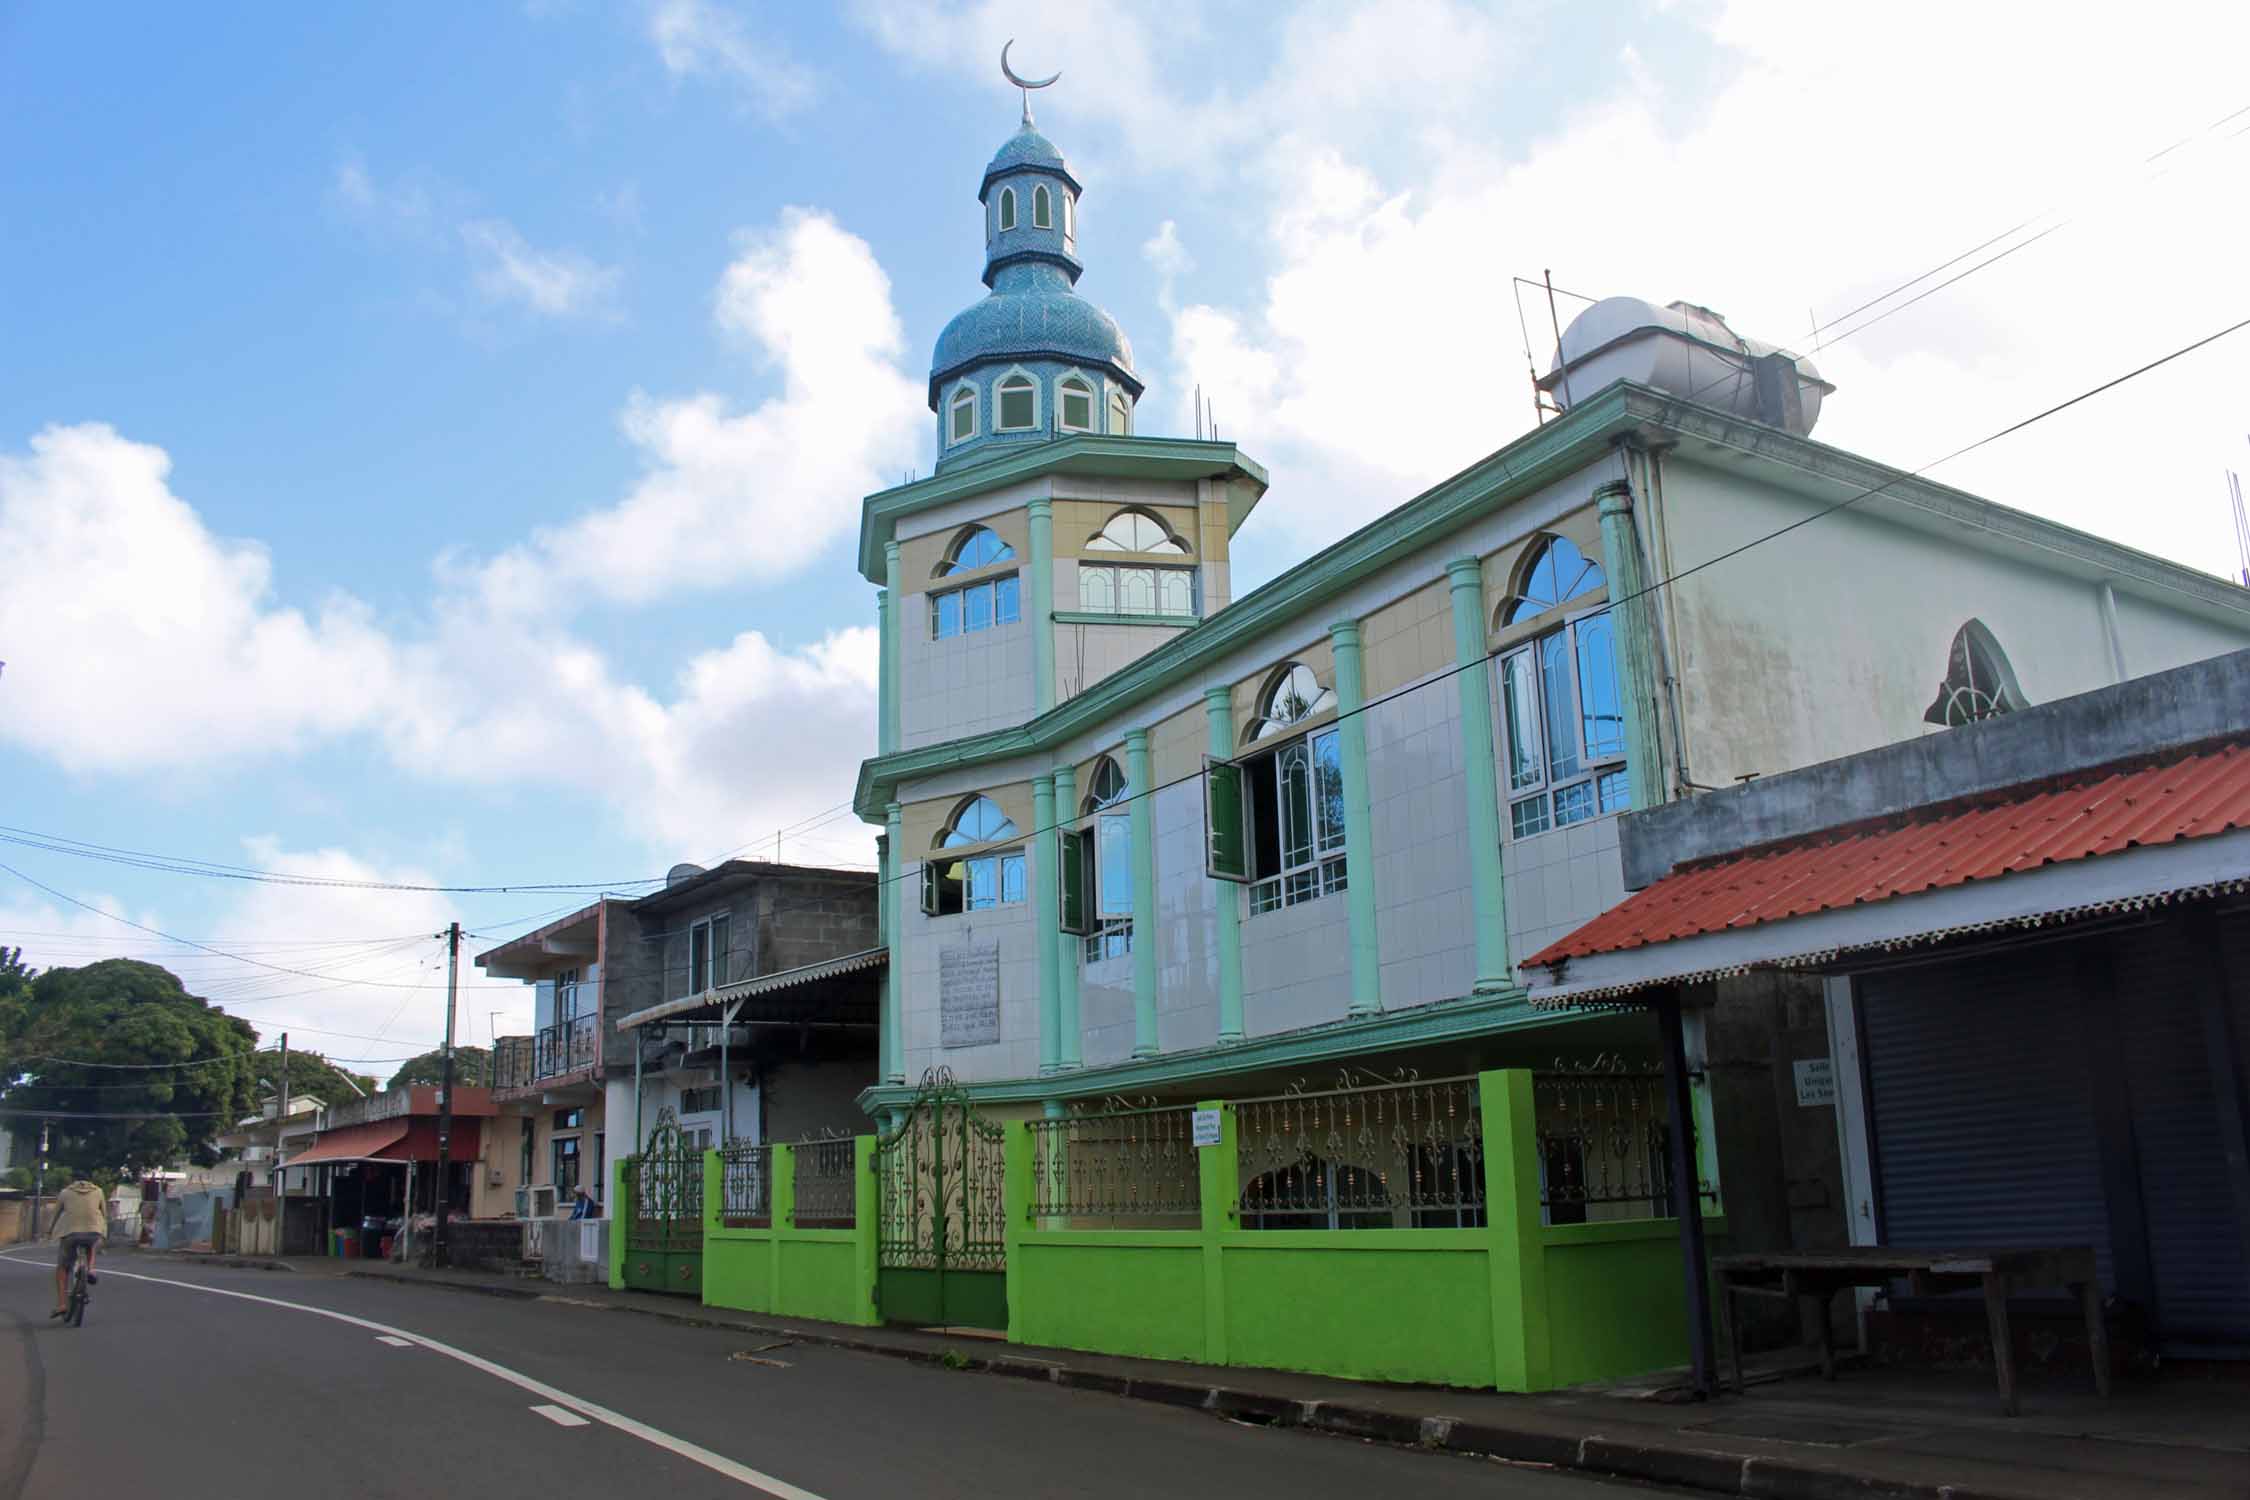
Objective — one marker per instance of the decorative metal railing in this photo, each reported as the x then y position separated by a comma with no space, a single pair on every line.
568,1046
746,1185
1605,1137
512,1059
1375,1152
1117,1162
826,1184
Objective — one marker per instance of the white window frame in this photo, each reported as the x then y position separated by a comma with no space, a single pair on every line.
706,973
1069,214
1062,406
1005,215
1115,572
1042,206
1112,825
1120,412
994,866
1171,543
1007,605
1319,870
964,394
1000,401
1532,808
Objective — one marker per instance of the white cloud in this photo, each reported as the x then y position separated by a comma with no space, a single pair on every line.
698,37
753,494
139,641
1166,256
558,283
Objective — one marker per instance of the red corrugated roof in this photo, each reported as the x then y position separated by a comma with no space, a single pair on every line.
2193,794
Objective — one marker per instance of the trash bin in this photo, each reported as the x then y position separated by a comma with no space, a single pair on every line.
371,1234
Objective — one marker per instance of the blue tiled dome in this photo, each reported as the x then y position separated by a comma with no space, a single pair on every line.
1026,148
1043,317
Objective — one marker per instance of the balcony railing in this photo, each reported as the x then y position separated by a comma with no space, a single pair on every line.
512,1059
568,1046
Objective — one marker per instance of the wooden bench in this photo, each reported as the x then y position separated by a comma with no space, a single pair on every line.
1814,1276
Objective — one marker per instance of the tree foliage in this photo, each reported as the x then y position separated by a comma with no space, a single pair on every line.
121,1012
472,1066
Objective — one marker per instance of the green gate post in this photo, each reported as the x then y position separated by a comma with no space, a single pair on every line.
1219,1177
1015,1211
1521,1351
617,1207
866,1209
784,1216
714,1199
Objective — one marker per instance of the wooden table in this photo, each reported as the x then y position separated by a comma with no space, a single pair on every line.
1814,1276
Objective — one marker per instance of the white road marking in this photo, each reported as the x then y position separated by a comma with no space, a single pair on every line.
560,1417
395,1341
717,1463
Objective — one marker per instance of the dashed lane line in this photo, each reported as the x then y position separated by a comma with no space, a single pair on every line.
560,1416
590,1411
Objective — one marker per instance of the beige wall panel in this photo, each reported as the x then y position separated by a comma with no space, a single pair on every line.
1407,640
920,822
1177,745
920,556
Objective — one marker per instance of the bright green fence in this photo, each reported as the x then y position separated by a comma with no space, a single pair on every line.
769,1249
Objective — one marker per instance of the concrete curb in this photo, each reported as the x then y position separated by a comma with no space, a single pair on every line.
1677,1464
232,1262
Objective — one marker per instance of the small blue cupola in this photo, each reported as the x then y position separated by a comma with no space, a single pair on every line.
1033,361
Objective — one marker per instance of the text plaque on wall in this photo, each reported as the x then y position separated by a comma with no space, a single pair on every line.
969,996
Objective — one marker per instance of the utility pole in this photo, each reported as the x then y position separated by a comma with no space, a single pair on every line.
39,1186
445,1091
280,1113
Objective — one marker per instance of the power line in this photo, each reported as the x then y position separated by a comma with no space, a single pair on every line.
96,1114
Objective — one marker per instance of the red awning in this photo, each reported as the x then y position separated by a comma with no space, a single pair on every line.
2188,795
376,1142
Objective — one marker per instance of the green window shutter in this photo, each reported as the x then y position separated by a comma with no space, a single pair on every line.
1226,832
929,888
1077,859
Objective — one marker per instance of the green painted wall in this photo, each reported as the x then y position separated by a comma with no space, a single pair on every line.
823,1274
1378,1304
1113,1293
1616,1302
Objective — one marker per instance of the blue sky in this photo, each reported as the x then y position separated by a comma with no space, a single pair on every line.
431,440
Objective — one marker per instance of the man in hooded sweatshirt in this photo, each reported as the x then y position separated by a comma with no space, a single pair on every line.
83,1220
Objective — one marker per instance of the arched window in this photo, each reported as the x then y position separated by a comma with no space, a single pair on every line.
1557,572
951,885
978,820
1042,208
1292,694
1019,404
975,547
1136,531
961,422
1120,414
1070,216
1979,683
1075,409
1105,785
1007,208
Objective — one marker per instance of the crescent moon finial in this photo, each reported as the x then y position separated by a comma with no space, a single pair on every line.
1026,84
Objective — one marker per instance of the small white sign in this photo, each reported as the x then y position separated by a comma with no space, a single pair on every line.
1207,1127
1816,1081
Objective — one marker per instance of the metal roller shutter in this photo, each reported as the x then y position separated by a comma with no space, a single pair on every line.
2195,1244
1979,1078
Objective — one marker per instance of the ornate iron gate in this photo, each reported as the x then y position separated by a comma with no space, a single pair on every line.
664,1195
941,1257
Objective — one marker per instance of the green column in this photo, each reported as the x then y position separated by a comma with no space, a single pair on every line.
893,665
1218,709
1219,1174
1046,896
1636,650
1139,779
1359,831
894,1016
886,634
1488,900
886,916
1066,949
1039,603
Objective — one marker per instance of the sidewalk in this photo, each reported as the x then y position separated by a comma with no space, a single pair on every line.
1872,1433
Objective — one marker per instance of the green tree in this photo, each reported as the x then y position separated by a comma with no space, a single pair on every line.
127,1116
472,1066
313,1075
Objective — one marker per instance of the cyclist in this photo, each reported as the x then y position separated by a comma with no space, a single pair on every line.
80,1225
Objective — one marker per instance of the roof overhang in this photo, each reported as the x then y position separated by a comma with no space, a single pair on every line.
1090,455
575,937
746,999
2052,896
376,1142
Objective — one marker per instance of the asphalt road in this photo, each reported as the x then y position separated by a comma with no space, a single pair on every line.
191,1381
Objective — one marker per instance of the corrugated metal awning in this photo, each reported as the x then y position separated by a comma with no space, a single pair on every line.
712,1004
377,1142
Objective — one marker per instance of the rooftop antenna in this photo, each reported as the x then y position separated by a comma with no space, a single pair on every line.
1199,411
2241,525
1026,84
1562,365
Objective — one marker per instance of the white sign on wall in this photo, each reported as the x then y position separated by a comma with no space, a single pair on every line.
1207,1127
969,996
1816,1081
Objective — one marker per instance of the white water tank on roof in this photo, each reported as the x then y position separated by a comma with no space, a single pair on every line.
1690,352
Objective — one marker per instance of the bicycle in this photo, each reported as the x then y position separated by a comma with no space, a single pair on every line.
79,1293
